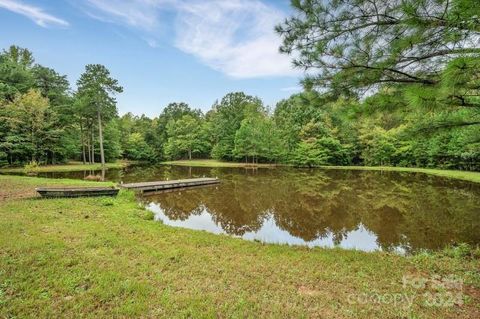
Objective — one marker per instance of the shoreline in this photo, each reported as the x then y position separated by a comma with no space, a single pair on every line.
104,256
454,174
78,166
68,167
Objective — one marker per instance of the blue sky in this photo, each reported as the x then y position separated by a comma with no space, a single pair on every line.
161,51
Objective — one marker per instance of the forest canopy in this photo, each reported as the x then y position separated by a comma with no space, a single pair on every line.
389,83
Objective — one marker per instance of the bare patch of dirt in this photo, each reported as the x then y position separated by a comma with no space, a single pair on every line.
306,291
10,193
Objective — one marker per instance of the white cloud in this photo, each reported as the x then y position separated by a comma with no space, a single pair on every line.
35,14
235,37
142,14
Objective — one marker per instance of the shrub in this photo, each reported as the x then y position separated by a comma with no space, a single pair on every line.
31,166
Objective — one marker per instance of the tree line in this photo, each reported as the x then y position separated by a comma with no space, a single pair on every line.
413,66
43,120
390,82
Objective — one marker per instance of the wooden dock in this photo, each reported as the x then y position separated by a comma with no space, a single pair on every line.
53,192
164,185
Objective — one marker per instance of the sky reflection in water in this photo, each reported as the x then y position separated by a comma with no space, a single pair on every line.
366,210
269,232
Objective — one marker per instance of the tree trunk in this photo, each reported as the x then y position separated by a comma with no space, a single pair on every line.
89,149
84,158
93,146
82,140
34,146
100,137
190,154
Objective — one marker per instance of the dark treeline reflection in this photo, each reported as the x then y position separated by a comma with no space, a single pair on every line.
410,211
403,210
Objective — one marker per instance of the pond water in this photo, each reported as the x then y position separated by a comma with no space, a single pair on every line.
366,210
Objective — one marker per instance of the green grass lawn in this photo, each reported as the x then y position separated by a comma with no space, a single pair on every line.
105,257
464,175
71,166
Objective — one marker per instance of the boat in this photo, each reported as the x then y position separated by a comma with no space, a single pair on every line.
52,192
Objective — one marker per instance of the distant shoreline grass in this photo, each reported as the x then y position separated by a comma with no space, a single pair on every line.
216,163
455,174
78,166
104,257
69,167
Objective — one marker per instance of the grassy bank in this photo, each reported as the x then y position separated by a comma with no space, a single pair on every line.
214,163
69,167
463,175
103,257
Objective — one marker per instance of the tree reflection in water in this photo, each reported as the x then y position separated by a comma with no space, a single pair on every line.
363,209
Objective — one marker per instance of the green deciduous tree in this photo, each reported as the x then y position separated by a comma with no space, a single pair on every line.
113,146
172,112
184,137
32,128
226,118
250,138
258,138
137,149
378,146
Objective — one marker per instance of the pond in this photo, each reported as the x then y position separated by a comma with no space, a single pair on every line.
365,210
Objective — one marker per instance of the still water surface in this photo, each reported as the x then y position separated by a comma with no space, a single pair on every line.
366,210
